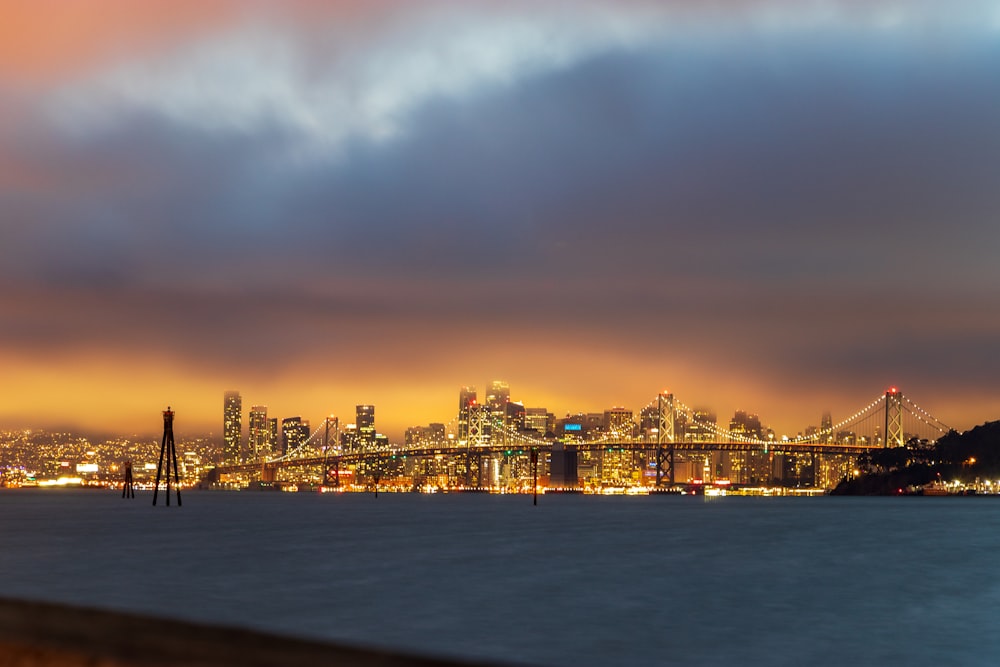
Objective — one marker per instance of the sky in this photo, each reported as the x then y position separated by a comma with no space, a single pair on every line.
779,206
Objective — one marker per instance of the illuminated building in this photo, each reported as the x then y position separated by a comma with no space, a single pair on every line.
365,422
619,466
618,423
294,432
701,427
272,434
498,396
826,428
432,435
466,399
232,427
537,419
515,416
259,435
497,399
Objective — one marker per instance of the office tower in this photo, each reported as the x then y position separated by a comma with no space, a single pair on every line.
536,419
618,423
826,428
232,427
365,421
497,399
515,416
272,437
294,432
618,467
259,435
466,399
702,426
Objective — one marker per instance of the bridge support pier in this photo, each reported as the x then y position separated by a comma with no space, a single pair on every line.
473,470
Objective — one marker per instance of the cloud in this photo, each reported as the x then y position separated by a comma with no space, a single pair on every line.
326,84
771,192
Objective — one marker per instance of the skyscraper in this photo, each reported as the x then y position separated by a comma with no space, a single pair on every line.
272,434
496,400
365,421
259,435
826,427
232,427
294,432
466,399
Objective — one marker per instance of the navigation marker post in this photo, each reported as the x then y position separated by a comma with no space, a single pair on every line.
168,450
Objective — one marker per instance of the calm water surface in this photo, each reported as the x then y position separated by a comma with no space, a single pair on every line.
575,581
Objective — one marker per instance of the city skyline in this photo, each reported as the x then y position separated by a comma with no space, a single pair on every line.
776,207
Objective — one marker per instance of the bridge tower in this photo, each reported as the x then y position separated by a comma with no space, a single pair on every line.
894,418
666,417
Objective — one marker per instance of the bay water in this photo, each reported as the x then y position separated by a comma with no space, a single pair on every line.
577,580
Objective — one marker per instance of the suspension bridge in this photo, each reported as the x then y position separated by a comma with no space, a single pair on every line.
671,428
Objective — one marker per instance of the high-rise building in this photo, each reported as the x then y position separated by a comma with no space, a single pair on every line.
826,428
515,416
272,435
466,399
497,399
294,432
259,435
232,427
365,421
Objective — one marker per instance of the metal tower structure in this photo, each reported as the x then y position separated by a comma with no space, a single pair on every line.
480,425
169,451
666,417
894,418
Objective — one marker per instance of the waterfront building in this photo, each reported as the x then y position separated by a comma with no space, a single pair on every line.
232,427
619,466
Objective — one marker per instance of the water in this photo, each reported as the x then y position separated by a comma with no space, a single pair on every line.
578,580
